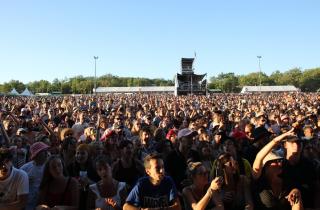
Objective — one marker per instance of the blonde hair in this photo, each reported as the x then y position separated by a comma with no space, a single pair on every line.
64,132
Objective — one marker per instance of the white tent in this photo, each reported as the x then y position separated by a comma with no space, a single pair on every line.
26,92
156,89
257,89
14,92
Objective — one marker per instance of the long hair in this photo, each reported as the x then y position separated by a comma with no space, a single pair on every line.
192,169
47,176
220,167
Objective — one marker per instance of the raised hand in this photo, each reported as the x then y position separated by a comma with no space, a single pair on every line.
216,183
111,202
294,196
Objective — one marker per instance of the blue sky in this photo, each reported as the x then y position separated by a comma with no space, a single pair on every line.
44,39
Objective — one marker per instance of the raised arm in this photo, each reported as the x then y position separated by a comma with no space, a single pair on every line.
4,134
14,118
48,129
257,165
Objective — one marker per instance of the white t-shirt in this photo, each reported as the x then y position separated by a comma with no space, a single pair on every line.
35,174
16,184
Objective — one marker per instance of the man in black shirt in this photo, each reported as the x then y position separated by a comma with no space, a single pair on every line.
176,161
299,172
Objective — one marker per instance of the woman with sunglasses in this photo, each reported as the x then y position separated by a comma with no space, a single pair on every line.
270,189
201,194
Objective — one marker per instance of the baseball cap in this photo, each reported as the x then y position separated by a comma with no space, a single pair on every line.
22,130
259,114
283,117
260,132
171,132
186,132
271,156
24,109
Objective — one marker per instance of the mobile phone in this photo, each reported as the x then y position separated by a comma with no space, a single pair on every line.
219,172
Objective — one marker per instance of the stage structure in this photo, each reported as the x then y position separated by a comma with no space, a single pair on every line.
189,83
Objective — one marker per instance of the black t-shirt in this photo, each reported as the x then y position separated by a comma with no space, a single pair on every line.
129,175
303,177
264,199
176,166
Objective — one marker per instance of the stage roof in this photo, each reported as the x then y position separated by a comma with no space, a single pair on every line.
196,77
186,65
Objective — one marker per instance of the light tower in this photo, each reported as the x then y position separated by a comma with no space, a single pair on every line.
95,74
259,58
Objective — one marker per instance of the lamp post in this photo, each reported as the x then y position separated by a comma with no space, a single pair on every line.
95,74
259,58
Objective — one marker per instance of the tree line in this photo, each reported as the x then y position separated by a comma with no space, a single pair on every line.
307,80
81,85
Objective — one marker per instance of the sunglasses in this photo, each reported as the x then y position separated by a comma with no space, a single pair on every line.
275,162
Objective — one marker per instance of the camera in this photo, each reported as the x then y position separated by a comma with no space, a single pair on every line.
219,172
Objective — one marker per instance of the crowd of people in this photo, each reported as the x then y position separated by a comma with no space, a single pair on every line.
158,151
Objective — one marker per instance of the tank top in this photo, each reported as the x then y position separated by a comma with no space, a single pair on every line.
59,199
209,206
100,201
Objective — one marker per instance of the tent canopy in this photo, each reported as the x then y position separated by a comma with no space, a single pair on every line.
284,88
26,92
14,92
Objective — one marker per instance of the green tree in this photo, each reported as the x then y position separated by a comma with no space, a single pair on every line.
6,88
227,82
55,86
2,88
66,88
291,77
275,77
253,79
310,80
19,86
